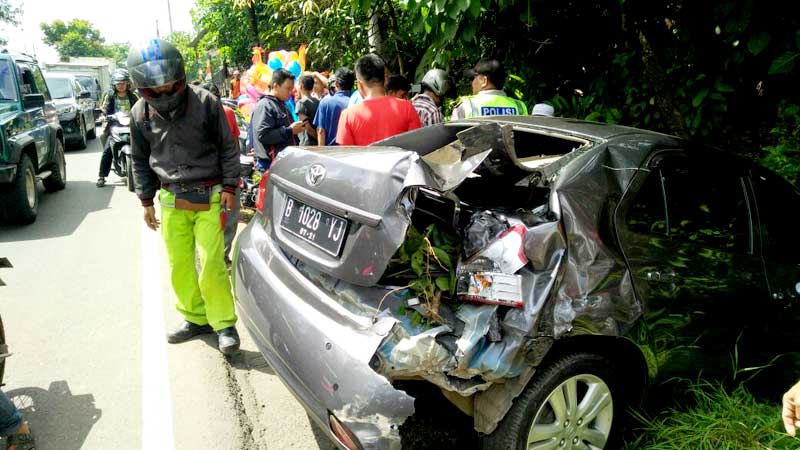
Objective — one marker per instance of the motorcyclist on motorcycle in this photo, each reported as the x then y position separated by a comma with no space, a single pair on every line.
121,98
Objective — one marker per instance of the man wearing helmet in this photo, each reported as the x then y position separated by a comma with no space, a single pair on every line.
184,152
434,87
121,99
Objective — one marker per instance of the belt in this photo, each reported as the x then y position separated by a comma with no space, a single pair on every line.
195,186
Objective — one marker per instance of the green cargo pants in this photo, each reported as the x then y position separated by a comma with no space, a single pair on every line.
207,299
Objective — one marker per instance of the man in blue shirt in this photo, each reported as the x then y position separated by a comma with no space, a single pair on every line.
330,108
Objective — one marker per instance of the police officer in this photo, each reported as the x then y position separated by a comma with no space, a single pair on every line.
488,98
184,152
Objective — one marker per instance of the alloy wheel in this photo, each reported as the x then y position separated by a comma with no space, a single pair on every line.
62,165
30,188
576,415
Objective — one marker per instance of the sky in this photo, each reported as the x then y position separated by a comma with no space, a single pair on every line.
125,21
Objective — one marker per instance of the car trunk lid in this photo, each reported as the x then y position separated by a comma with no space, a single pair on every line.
341,211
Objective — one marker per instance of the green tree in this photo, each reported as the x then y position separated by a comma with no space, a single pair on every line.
76,38
8,15
186,45
118,51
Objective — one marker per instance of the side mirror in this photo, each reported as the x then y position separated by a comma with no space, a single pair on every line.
33,101
85,94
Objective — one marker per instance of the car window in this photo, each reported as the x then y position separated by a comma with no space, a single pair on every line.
8,90
86,83
38,81
60,87
647,214
76,87
777,200
26,81
706,207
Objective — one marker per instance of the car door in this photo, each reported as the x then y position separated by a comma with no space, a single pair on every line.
38,119
776,202
687,233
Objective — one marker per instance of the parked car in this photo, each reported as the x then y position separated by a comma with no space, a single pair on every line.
592,261
31,139
75,108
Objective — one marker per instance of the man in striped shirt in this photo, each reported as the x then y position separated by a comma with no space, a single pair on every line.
434,87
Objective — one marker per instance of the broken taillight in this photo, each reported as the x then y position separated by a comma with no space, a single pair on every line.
262,190
343,434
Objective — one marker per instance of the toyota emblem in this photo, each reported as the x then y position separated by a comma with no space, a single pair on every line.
315,174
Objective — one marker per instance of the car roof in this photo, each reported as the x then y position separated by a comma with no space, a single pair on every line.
17,57
596,131
59,75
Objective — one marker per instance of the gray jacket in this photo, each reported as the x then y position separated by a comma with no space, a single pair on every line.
272,132
194,146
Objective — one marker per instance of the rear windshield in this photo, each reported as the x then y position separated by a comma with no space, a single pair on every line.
60,87
86,83
8,90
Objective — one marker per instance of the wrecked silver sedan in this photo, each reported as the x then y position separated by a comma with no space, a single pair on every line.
513,263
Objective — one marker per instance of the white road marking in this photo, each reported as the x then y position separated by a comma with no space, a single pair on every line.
157,432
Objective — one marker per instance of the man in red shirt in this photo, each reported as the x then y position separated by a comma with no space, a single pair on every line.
379,116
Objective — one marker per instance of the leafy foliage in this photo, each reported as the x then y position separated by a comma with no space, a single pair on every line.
425,262
80,38
76,38
8,15
224,25
118,52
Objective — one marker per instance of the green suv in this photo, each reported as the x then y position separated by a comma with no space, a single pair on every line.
31,139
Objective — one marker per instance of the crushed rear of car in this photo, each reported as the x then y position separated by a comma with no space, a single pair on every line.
521,207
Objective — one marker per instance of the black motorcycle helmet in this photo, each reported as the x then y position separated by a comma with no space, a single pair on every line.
154,65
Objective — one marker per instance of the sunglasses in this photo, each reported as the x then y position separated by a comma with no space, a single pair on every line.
166,89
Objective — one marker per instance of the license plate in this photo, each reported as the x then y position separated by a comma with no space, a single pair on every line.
318,228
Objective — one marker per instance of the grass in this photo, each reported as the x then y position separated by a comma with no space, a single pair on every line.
717,420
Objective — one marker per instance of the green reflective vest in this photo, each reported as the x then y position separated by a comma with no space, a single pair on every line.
492,105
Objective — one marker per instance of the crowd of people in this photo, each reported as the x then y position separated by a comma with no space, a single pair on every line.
368,104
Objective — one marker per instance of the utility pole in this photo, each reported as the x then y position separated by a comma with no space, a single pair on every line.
158,35
169,14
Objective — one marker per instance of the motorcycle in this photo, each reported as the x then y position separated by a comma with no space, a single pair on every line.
120,142
249,181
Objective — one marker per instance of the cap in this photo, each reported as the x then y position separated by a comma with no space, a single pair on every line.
543,109
492,69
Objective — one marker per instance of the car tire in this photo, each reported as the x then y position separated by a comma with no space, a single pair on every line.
58,179
129,172
22,200
82,141
534,415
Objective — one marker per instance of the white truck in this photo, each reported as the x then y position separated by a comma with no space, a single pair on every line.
98,70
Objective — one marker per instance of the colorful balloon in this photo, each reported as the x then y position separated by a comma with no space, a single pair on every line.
256,80
294,68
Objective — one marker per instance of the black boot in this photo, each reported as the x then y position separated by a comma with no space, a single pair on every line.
228,341
186,331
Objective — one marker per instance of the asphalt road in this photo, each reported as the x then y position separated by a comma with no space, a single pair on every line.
85,311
